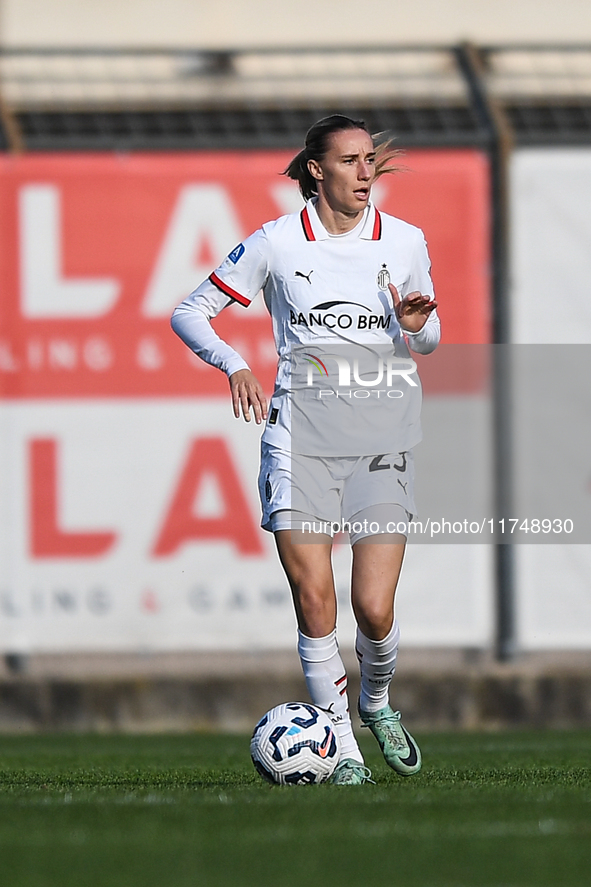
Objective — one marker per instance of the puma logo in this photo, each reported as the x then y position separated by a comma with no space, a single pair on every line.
306,276
329,710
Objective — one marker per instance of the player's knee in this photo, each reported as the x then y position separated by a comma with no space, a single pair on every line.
374,621
315,598
313,581
316,605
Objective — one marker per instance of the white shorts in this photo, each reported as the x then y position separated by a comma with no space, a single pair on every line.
334,490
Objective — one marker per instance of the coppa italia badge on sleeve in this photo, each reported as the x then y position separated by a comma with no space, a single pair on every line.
383,278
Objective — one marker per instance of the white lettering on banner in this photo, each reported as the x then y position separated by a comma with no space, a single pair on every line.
45,293
8,362
68,355
62,354
287,197
97,354
204,218
149,354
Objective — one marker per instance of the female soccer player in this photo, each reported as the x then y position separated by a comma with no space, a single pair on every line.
338,272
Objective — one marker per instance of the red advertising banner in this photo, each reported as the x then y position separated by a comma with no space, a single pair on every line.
97,249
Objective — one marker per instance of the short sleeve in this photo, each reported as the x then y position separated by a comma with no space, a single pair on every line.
244,271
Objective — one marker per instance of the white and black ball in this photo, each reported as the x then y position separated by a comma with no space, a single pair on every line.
295,744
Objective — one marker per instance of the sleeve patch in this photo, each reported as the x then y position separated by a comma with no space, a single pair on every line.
236,253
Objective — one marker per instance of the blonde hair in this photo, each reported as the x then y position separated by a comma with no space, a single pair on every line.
386,153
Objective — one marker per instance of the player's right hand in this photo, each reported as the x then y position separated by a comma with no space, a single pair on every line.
247,392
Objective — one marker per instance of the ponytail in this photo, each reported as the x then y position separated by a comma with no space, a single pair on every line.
298,170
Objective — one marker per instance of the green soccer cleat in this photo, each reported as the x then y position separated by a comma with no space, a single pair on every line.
398,747
350,772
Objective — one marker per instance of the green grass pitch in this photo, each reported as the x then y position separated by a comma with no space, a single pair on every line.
494,810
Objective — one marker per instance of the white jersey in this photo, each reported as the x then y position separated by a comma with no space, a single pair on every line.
320,289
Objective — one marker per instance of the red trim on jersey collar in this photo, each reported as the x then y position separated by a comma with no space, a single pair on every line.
376,233
217,281
306,224
377,227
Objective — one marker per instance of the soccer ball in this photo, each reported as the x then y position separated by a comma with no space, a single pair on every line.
295,743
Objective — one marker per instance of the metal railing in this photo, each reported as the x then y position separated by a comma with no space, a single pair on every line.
152,79
55,98
167,98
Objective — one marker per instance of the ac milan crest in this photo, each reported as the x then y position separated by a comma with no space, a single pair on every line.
383,278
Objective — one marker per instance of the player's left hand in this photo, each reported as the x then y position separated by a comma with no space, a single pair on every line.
412,311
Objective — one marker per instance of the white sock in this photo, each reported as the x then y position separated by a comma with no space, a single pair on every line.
326,680
377,661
